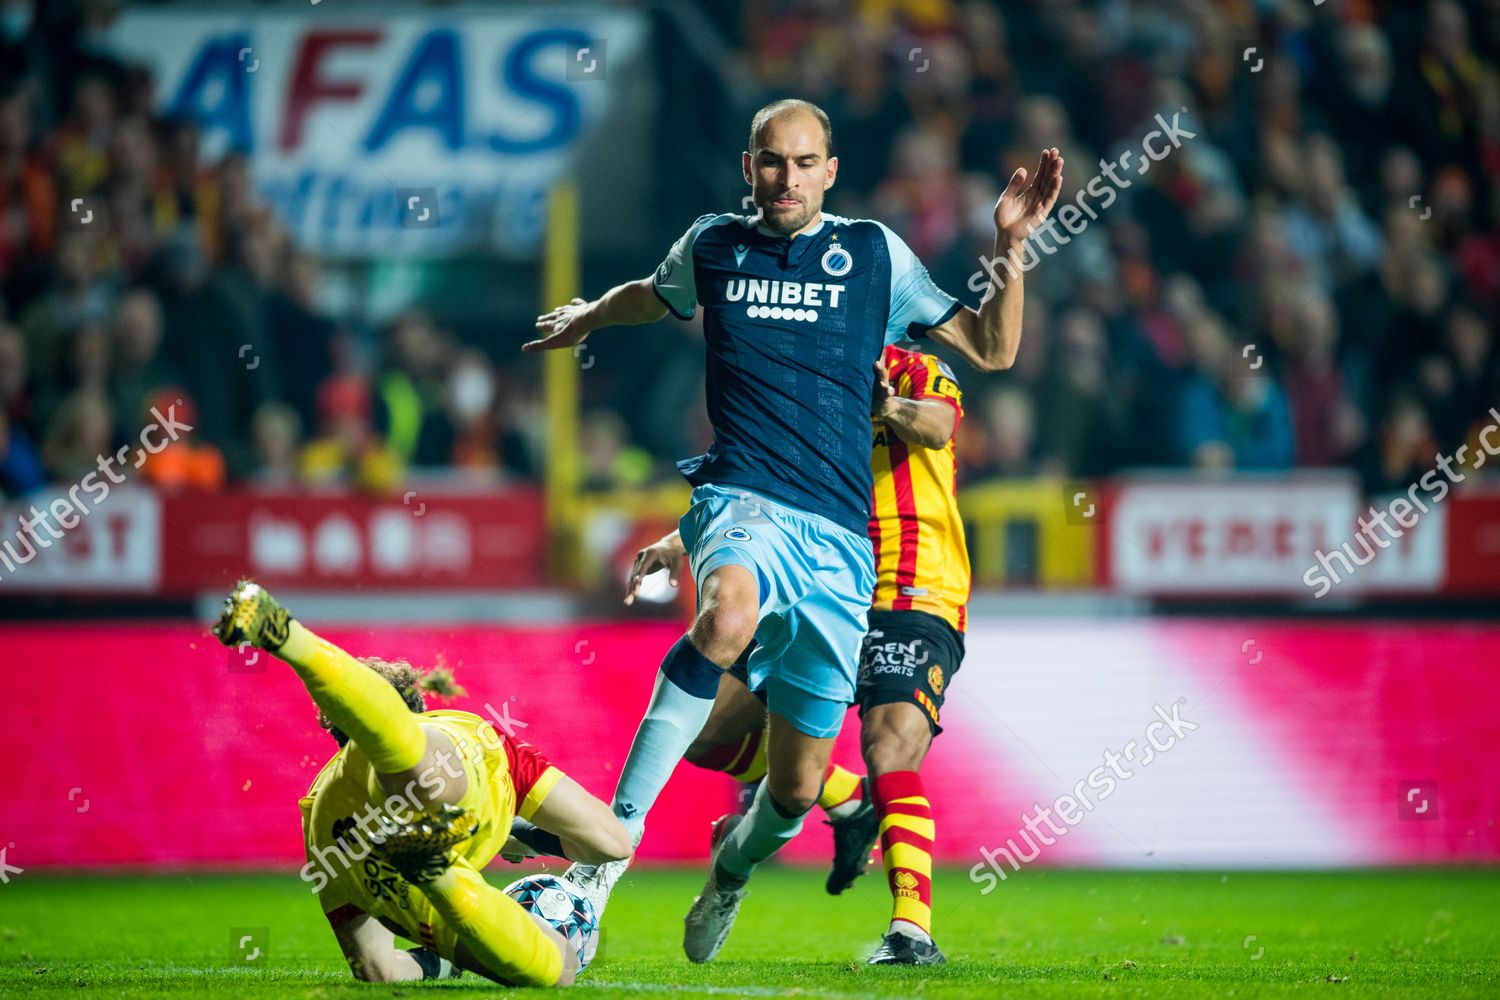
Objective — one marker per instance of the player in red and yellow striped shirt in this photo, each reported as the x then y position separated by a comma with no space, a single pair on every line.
913,648
921,561
915,643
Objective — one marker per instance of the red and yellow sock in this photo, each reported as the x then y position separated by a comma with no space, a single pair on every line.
906,835
743,761
842,790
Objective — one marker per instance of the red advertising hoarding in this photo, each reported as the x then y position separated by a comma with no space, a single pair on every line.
140,542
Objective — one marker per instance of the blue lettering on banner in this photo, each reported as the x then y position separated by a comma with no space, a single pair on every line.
435,66
345,200
346,214
520,78
215,91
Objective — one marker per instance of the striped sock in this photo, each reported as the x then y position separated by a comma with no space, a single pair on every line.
744,761
843,792
906,835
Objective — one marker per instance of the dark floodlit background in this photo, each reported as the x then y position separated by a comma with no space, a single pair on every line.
1244,464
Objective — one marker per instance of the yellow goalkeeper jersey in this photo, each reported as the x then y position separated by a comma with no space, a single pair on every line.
506,778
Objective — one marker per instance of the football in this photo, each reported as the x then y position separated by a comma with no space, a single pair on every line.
561,904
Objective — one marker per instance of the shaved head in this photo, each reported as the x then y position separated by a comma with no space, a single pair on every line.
788,108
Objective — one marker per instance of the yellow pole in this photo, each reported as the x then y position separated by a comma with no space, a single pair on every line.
560,282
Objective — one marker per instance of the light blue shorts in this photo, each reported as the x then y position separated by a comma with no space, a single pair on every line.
816,580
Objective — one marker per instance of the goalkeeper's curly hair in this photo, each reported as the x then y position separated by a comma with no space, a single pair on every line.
408,681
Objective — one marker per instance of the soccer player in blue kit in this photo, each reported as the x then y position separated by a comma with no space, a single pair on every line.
798,306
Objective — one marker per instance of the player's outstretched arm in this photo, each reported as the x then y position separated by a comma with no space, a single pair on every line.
629,304
988,338
927,423
588,829
370,949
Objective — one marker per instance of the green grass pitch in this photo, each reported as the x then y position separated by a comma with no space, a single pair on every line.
1041,933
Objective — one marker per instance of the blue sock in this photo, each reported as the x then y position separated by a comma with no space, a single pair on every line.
680,703
766,828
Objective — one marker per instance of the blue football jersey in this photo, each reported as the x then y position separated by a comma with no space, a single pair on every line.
793,328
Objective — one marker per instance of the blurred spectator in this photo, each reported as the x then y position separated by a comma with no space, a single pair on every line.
1456,383
304,336
206,337
21,471
1232,417
138,371
1447,81
470,399
1002,441
274,433
78,436
28,198
187,463
410,413
608,461
1478,257
1076,414
75,297
1326,228
347,449
15,402
1404,446
25,62
128,195
1326,426
78,150
82,364
921,196
247,279
186,194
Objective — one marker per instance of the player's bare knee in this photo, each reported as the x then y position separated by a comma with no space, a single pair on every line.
893,754
723,629
796,795
728,611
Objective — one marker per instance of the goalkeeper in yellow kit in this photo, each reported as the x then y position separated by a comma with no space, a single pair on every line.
401,820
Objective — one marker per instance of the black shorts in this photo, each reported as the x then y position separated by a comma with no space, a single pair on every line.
908,656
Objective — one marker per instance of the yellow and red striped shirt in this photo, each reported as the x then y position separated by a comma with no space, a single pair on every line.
921,560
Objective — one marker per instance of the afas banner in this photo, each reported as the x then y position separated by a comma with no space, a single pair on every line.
378,132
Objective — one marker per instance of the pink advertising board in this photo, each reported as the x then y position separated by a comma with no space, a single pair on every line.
1234,744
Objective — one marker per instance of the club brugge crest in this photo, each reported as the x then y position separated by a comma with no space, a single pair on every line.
836,261
737,534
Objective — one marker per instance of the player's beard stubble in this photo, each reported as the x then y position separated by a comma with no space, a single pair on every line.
786,220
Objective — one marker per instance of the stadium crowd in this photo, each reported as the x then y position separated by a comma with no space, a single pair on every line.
1312,279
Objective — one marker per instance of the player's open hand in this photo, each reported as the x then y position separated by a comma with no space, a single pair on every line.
1022,207
665,553
562,327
